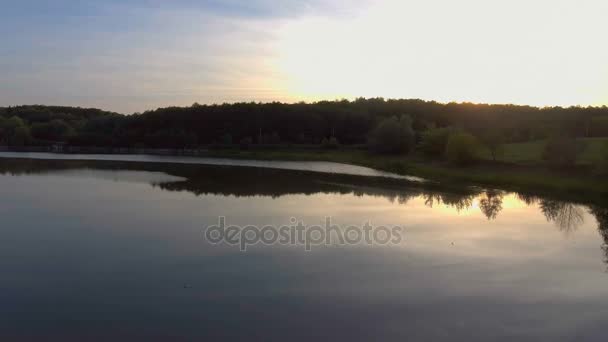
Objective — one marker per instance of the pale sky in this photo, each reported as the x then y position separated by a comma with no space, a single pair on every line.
134,55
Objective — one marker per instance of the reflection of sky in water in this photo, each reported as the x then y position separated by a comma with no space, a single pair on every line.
121,176
113,256
313,166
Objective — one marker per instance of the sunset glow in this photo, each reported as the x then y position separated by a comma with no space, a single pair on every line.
136,55
540,53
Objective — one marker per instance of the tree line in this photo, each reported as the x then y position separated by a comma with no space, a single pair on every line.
326,123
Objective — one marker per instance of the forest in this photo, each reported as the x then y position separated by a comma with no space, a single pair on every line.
383,126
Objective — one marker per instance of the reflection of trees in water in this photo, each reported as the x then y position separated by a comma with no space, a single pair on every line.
566,216
400,197
431,199
601,215
242,181
458,201
251,182
491,203
527,198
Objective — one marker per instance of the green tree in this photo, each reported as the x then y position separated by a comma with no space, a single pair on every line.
55,130
392,135
434,141
494,141
16,132
462,148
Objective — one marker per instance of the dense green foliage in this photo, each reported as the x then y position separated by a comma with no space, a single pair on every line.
14,131
350,122
508,133
462,149
392,135
55,130
435,140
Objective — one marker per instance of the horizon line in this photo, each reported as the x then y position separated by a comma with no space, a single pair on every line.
384,99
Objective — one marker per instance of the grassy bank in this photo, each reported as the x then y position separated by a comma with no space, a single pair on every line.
591,150
579,183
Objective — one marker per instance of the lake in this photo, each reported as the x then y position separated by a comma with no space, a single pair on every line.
118,250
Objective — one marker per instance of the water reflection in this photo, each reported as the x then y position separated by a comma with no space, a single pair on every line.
490,203
601,215
202,180
458,201
566,216
127,249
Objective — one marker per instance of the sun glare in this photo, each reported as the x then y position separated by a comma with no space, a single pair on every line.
448,51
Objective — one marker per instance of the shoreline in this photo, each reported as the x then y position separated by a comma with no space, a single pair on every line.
316,166
577,184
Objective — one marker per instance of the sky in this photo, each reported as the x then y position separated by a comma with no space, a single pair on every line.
135,55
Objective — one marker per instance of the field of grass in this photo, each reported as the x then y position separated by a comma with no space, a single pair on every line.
593,151
524,153
531,152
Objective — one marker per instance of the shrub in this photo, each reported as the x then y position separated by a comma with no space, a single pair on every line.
462,148
561,151
434,141
392,135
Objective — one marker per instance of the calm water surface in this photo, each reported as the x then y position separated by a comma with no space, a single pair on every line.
116,251
312,166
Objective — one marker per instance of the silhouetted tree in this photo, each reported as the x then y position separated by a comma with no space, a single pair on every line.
350,122
392,135
494,141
